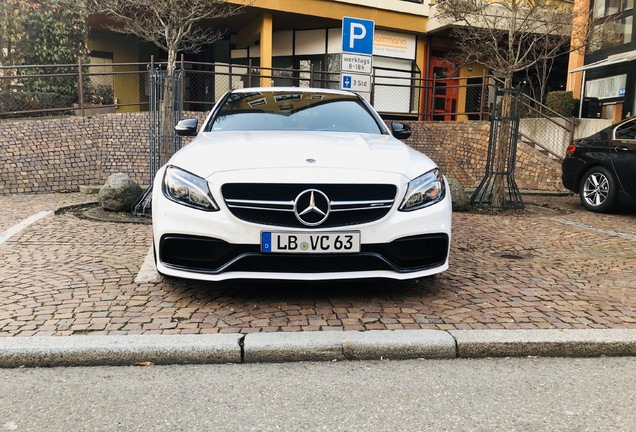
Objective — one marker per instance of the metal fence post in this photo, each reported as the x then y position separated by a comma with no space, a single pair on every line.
183,78
231,84
249,73
482,101
433,105
80,87
311,75
372,95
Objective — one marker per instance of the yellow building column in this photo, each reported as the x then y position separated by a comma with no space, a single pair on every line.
421,57
266,43
579,40
260,31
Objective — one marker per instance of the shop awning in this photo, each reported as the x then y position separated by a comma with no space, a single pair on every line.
610,60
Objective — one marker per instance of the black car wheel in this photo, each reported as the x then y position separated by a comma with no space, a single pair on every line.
598,190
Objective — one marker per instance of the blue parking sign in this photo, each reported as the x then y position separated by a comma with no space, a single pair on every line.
357,35
346,82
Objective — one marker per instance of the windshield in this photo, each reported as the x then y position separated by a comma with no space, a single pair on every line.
296,111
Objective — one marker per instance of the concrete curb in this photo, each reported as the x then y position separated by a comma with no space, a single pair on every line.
48,351
545,343
348,345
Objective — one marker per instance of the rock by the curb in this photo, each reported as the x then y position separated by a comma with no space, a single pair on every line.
461,200
119,193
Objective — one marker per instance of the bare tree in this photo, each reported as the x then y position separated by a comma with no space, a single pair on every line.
537,77
172,25
510,36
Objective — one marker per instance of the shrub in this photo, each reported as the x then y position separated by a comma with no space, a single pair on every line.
99,94
17,101
562,102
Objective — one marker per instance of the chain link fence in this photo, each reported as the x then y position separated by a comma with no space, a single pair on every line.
27,91
544,129
106,87
38,89
80,89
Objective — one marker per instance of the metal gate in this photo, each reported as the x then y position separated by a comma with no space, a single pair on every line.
166,108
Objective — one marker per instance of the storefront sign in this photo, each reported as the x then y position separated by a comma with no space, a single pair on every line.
396,45
606,88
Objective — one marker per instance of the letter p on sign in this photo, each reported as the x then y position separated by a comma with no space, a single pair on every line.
358,31
357,35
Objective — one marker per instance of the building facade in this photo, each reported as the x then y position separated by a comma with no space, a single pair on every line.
276,36
603,74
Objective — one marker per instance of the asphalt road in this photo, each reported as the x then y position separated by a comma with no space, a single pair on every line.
528,394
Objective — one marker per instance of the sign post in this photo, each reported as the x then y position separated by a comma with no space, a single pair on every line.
357,54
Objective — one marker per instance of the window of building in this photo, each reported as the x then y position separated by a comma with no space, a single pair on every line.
611,33
633,111
612,24
606,88
605,8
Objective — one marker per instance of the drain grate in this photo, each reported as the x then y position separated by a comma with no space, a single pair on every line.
510,255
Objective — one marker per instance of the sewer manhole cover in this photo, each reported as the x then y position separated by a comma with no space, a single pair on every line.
511,255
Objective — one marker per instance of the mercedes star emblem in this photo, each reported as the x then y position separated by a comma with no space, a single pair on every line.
312,207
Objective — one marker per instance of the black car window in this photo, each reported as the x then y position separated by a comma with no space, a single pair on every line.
603,134
626,131
295,111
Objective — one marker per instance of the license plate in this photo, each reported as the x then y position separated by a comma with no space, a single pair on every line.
295,242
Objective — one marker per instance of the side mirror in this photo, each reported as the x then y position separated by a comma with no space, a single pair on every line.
400,131
187,127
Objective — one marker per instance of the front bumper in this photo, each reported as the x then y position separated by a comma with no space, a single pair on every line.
211,256
215,246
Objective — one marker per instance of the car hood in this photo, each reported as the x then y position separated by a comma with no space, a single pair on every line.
213,152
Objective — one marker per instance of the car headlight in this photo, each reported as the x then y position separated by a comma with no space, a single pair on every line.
424,191
188,189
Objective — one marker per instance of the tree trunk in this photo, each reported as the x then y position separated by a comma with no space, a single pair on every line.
502,150
167,110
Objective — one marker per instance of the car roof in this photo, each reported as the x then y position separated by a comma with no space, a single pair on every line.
293,89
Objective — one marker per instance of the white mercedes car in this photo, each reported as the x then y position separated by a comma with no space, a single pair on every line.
302,184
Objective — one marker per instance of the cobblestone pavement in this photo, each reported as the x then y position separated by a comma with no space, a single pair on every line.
553,266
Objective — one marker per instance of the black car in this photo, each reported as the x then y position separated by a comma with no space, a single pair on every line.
602,168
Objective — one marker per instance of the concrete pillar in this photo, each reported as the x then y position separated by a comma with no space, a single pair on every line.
266,49
581,10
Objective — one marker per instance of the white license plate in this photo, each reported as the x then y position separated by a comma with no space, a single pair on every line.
295,242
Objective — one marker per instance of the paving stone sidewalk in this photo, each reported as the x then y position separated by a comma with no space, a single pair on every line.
554,266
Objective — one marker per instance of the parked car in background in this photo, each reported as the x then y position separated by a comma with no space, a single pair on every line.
305,184
602,167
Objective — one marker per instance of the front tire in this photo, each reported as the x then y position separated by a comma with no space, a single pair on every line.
598,190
